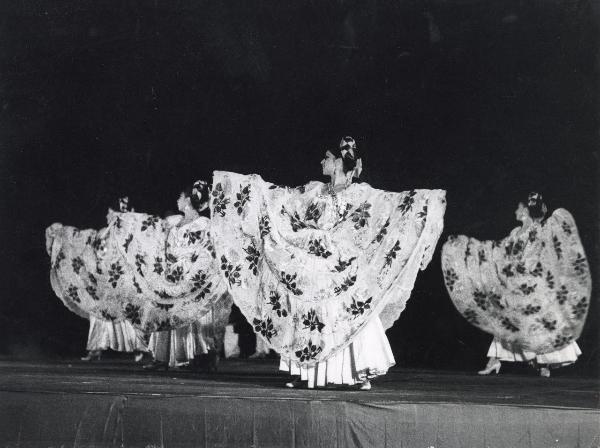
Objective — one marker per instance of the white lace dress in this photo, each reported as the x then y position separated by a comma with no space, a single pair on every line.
369,355
319,275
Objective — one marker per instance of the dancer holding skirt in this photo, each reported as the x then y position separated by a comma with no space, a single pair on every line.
321,270
531,290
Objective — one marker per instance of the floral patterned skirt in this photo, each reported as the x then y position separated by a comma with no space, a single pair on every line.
369,355
118,336
566,355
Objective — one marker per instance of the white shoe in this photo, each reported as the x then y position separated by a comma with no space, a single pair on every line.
366,385
138,357
492,365
545,372
93,355
294,384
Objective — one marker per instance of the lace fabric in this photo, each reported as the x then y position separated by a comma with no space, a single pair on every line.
309,269
530,290
140,268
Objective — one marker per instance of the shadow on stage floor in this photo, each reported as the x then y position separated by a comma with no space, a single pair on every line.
244,404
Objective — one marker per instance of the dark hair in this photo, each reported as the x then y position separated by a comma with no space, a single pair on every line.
535,205
348,152
198,194
122,204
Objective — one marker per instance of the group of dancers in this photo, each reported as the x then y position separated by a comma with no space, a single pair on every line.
319,272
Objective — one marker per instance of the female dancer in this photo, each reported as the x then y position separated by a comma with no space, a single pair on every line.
178,347
321,270
530,291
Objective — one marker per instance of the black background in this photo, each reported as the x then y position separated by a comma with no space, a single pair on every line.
486,99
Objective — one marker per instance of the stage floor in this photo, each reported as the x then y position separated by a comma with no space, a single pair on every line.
115,402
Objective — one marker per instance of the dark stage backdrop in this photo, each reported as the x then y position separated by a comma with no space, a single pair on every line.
486,99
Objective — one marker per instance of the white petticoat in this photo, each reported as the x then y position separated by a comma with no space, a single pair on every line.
118,336
564,356
368,356
178,347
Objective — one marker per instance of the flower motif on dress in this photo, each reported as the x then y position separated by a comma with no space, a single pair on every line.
136,286
163,295
295,221
538,270
252,257
527,289
580,264
158,268
192,236
175,275
391,255
315,247
530,309
346,284
507,270
471,316
557,246
311,321
264,226
92,291
566,228
382,232
231,272
128,241
407,202
59,257
210,248
219,200
343,264
509,325
200,283
480,298
313,213
450,278
361,215
343,214
242,198
580,308
170,257
520,268
97,244
139,262
550,280
482,257
77,264
358,308
132,313
114,273
496,300
72,294
265,327
548,324
310,351
532,235
560,341
289,280
562,294
151,221
275,302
